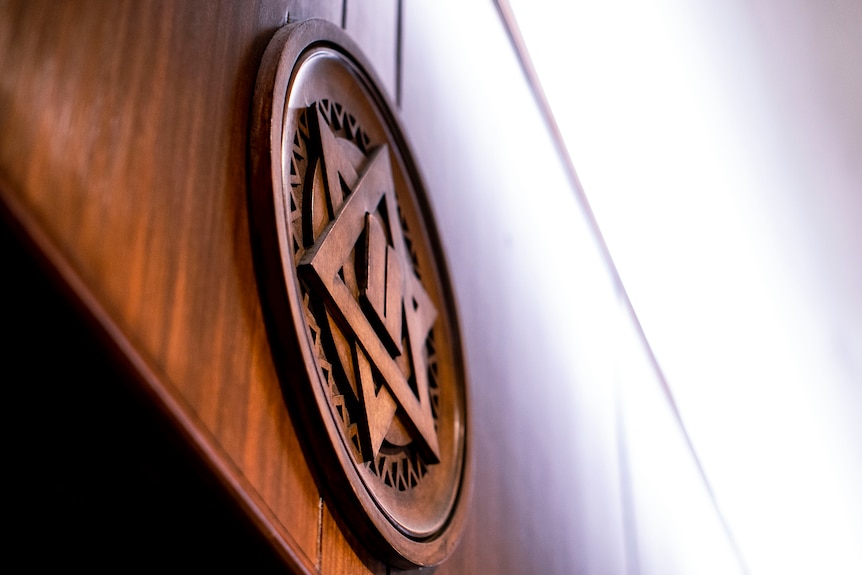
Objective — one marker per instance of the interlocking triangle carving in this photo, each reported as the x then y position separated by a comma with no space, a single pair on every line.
393,314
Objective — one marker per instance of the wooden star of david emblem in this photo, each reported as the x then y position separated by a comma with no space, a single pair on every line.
356,299
392,307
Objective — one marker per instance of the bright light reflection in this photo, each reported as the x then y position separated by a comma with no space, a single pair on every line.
703,183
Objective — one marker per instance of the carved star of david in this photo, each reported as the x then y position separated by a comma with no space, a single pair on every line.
393,307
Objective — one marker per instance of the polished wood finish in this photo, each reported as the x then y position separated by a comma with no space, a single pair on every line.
129,165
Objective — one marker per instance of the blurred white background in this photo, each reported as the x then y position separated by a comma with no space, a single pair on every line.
720,147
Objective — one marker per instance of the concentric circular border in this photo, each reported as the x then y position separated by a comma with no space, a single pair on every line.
329,459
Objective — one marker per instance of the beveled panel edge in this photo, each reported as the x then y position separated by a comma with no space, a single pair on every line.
146,378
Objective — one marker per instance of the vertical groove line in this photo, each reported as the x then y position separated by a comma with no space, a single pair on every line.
344,15
320,535
399,46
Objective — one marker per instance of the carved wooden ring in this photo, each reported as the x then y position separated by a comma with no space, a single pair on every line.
357,301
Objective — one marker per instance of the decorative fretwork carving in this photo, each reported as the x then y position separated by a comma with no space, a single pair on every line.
388,417
356,298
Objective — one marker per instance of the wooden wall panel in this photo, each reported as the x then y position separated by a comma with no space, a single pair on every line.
124,148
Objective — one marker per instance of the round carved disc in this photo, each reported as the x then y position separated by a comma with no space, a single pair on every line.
358,304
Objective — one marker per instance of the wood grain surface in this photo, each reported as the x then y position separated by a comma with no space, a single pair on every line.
128,160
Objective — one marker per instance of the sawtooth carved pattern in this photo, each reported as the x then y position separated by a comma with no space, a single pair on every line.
399,462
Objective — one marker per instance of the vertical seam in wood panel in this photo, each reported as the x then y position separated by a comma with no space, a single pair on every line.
320,535
398,48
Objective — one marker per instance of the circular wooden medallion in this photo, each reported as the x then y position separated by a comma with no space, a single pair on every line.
358,304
